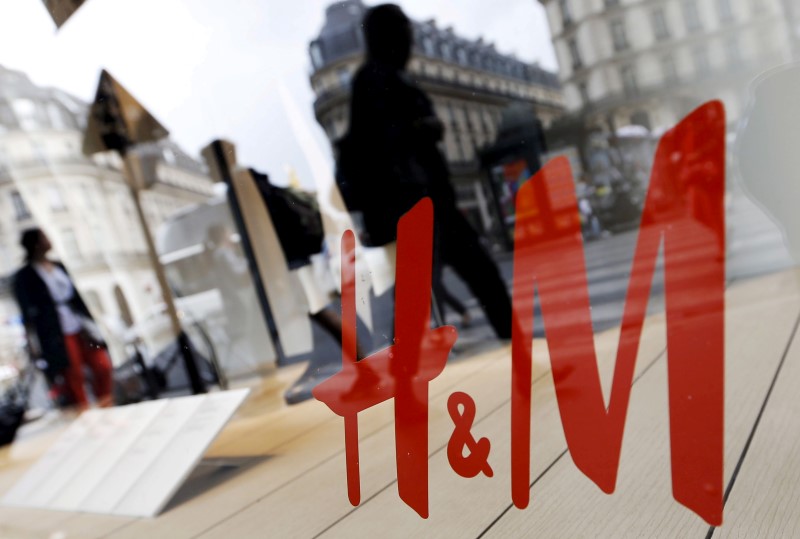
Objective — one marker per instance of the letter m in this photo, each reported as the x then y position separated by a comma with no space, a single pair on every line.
684,210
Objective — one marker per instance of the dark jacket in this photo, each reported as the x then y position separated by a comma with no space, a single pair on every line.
40,316
390,158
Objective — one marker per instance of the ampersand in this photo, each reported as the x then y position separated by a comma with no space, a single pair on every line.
477,460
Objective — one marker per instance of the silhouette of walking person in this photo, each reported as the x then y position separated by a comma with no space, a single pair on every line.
390,159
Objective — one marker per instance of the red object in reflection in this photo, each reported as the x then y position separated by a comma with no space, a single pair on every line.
401,371
684,208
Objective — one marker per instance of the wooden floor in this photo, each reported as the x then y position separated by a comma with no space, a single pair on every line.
285,469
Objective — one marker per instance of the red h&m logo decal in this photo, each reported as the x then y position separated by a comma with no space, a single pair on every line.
401,371
684,210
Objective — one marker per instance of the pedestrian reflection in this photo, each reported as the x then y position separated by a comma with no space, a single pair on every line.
390,160
60,327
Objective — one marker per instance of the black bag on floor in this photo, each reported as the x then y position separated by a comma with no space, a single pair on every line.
12,407
11,415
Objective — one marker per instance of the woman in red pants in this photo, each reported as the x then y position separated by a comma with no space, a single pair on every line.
56,318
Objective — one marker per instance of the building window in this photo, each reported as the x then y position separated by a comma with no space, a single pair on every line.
7,118
55,199
733,52
566,14
26,112
21,211
39,153
641,117
316,55
169,155
692,16
629,82
72,250
5,162
583,89
343,74
702,65
461,54
58,118
575,53
669,69
618,35
659,19
611,3
427,46
447,51
725,10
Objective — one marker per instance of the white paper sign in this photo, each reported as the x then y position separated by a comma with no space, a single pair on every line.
128,460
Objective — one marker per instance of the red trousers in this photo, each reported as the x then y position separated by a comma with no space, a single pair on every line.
81,354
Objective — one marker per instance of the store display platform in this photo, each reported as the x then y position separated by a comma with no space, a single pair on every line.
280,471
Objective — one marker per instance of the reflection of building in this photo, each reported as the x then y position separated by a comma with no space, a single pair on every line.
469,82
650,62
83,204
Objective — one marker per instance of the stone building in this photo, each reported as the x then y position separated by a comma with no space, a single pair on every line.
469,82
649,62
83,204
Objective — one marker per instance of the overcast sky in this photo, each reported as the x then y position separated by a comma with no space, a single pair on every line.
212,68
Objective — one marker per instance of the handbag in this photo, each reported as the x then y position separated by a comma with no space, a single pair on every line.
91,333
296,217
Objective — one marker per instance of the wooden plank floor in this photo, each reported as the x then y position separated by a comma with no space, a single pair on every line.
293,483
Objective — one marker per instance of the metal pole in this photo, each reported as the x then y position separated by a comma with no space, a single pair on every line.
135,177
221,158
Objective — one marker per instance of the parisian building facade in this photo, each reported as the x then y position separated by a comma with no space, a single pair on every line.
83,204
649,62
470,83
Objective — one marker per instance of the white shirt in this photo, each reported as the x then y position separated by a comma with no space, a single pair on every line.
61,290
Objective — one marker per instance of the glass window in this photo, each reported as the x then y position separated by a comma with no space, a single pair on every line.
725,10
55,198
618,35
669,69
447,51
55,116
575,53
659,19
69,241
583,90
39,152
691,16
702,65
566,14
21,211
169,155
7,118
316,55
733,51
427,46
629,80
343,75
25,110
